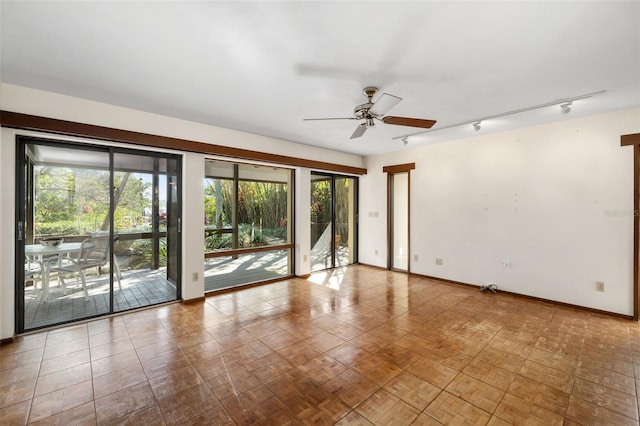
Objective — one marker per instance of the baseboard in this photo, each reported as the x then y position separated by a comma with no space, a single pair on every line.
194,300
7,341
528,297
304,277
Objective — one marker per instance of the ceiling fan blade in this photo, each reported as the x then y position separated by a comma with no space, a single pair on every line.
384,103
333,118
411,122
359,131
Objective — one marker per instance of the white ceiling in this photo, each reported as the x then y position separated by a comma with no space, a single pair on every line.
262,67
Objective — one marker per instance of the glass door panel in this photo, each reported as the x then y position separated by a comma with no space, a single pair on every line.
333,221
400,221
144,211
322,234
64,252
345,212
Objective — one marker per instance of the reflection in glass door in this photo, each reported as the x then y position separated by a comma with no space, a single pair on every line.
89,227
333,221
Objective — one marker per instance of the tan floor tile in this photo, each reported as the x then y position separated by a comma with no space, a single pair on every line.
413,390
64,362
383,408
377,369
511,346
322,368
233,382
433,372
53,351
490,374
113,363
320,407
187,404
324,341
291,386
353,419
163,364
451,358
544,396
16,414
123,403
351,387
513,410
150,415
425,420
252,406
608,378
501,359
448,409
174,382
215,416
61,379
586,413
83,415
549,376
19,374
475,392
268,367
611,399
17,392
118,380
398,355
111,348
61,400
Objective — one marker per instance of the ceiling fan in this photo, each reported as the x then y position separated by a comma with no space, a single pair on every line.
371,111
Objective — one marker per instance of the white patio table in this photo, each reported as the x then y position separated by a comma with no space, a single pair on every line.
39,252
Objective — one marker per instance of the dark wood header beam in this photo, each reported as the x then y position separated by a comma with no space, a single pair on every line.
399,168
70,128
633,139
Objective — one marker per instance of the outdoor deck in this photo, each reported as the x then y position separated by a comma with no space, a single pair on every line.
139,288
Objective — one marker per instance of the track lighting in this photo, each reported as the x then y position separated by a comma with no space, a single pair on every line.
565,108
405,141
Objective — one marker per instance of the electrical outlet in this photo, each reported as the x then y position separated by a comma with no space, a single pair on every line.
304,258
600,286
506,264
376,252
439,261
415,257
194,276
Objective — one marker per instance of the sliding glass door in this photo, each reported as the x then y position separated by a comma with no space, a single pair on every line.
333,221
96,230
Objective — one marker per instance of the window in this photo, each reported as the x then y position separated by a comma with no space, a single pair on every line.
248,230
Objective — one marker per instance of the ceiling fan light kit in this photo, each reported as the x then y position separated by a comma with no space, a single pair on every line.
371,111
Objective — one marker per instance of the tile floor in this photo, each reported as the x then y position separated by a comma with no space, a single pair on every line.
356,346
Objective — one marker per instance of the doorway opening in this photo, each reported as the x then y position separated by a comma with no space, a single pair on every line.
334,213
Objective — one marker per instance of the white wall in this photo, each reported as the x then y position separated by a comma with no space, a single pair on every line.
555,202
29,101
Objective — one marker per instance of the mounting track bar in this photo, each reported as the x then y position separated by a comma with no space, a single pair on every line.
504,114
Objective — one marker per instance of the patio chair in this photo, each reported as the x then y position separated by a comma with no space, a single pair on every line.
33,271
94,253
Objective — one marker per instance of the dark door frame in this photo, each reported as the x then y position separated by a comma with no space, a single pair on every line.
634,140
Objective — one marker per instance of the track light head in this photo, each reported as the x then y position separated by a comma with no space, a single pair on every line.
565,108
476,125
405,140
